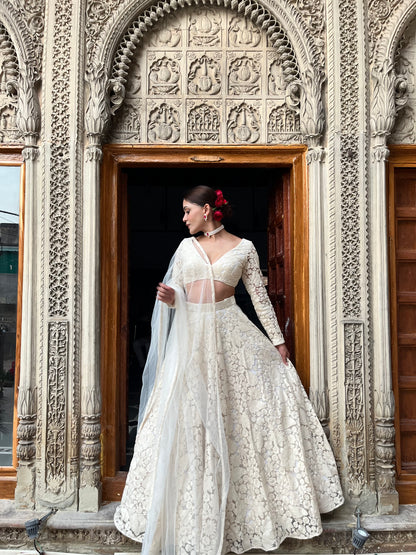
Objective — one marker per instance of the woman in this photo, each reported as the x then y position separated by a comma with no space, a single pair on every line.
229,454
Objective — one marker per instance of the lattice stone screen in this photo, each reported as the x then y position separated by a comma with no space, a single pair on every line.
207,75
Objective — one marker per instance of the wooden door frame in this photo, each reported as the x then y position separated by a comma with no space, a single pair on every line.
115,159
11,155
401,156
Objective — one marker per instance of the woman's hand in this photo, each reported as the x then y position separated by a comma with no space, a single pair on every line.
165,294
284,352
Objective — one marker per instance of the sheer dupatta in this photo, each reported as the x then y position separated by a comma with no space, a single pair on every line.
181,390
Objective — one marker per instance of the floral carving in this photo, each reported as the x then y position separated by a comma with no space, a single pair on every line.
354,406
283,125
163,125
243,33
164,77
204,31
204,76
56,399
379,12
203,124
244,77
243,124
204,28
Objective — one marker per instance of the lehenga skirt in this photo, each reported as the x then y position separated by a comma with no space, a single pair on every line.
248,463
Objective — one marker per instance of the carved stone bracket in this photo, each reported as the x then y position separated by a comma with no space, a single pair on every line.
98,109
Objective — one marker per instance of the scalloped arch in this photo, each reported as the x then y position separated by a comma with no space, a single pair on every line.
20,37
386,46
269,14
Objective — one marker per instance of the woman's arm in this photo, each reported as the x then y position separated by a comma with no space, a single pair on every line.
253,281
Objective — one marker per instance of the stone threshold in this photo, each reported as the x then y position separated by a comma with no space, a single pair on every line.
95,534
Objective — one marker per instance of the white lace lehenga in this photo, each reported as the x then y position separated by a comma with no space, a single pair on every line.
229,455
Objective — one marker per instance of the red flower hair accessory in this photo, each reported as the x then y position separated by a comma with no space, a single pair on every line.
218,215
220,200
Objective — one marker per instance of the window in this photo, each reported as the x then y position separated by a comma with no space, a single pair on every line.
10,311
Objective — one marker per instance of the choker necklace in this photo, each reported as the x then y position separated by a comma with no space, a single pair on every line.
213,232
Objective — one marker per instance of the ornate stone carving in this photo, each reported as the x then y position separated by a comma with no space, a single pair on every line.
244,76
26,430
155,73
90,438
283,125
164,124
243,124
383,108
29,17
385,450
312,116
204,76
243,33
98,109
354,407
56,406
9,75
204,124
164,76
126,125
167,33
204,28
379,13
97,13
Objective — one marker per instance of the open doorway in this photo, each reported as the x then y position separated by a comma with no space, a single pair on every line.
141,226
154,221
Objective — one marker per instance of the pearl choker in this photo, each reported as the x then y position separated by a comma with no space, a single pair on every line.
214,231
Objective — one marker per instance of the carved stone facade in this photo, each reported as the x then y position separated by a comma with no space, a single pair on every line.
175,73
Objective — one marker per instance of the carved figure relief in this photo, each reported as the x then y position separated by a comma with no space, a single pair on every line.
164,77
9,74
243,124
213,54
242,33
163,125
203,124
204,28
204,76
244,77
405,89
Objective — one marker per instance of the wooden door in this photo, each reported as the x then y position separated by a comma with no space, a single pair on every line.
279,262
402,207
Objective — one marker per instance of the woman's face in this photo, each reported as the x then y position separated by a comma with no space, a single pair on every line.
193,216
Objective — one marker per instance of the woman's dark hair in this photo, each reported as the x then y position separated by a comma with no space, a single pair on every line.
202,195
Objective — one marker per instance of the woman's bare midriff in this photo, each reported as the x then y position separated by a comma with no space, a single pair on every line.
200,291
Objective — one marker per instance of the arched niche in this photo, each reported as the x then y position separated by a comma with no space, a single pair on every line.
112,56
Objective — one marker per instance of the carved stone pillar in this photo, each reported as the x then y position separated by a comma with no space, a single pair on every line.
312,124
382,119
28,121
97,117
318,392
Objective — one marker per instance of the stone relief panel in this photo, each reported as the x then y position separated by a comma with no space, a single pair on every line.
9,75
230,84
404,130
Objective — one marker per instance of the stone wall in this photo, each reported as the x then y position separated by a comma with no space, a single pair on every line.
333,75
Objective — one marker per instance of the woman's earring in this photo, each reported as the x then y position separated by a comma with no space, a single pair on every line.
205,217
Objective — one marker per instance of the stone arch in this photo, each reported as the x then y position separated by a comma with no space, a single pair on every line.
24,61
111,55
385,47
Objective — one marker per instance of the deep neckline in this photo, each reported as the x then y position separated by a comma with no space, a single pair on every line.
221,257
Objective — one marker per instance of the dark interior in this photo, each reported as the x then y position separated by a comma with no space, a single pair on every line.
156,229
